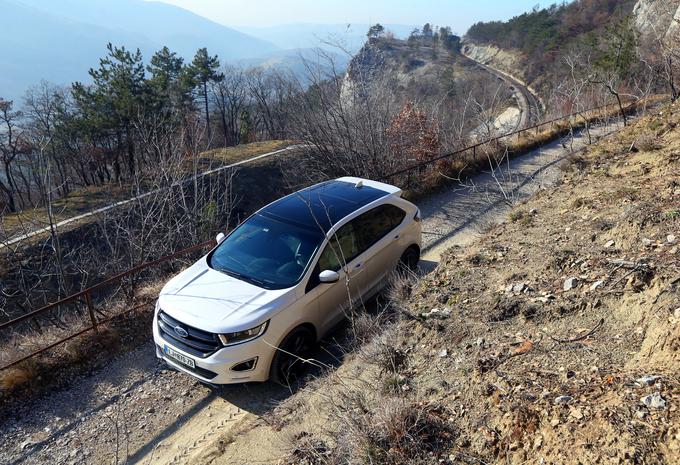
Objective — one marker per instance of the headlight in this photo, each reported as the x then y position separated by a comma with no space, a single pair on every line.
242,336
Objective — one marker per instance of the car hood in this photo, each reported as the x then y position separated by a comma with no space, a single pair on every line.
213,301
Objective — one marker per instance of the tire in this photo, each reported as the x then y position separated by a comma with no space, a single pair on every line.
287,369
409,260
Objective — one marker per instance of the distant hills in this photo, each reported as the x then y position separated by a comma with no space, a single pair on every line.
304,35
59,41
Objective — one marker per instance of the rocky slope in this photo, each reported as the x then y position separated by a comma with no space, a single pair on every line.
657,19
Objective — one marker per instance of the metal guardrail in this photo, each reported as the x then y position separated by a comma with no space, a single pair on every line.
86,294
518,133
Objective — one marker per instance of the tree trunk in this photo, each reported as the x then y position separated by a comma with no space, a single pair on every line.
207,113
10,198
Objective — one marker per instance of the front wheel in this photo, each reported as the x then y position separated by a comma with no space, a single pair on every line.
289,364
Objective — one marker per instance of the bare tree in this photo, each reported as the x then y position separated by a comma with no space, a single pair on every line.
230,98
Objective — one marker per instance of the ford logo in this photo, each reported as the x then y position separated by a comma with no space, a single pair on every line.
181,332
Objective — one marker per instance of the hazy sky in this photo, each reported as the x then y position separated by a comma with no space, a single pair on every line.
459,14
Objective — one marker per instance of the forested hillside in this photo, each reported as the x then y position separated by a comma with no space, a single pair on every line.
545,35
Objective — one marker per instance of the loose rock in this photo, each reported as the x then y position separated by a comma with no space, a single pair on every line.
570,283
654,401
648,380
561,400
596,284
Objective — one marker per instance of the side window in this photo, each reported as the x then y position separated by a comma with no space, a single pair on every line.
341,249
375,224
395,214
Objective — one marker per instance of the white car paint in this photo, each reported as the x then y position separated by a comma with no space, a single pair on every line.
212,301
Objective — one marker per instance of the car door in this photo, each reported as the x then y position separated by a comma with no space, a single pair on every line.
341,254
379,232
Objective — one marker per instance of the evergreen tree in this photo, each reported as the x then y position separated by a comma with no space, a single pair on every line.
375,31
168,82
427,31
118,94
203,70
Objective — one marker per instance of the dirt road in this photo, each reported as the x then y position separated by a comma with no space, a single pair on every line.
137,411
529,104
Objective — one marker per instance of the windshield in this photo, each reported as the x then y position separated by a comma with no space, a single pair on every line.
265,252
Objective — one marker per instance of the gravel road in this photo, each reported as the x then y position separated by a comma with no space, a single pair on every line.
457,216
137,411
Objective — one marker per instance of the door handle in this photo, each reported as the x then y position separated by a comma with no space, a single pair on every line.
358,265
397,237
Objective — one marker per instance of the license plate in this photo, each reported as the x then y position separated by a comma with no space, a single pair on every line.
183,359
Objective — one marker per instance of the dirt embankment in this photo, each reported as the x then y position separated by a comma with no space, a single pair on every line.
508,61
553,339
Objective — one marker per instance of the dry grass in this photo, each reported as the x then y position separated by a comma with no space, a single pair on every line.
244,151
86,199
466,165
84,352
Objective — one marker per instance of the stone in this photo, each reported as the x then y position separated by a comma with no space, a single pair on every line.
443,353
648,380
646,242
437,313
27,443
570,283
609,244
670,238
576,413
596,284
561,400
654,401
519,288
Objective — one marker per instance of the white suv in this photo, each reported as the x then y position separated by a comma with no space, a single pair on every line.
258,302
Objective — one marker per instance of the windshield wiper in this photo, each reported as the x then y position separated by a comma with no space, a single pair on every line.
241,276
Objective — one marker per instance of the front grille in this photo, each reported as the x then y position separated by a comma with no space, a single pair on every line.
197,342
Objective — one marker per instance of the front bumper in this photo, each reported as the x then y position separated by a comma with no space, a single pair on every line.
218,367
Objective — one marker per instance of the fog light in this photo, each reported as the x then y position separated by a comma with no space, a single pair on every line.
245,366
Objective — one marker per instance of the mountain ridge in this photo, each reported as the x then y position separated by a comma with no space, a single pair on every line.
65,42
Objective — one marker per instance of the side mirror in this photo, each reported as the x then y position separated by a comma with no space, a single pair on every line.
329,276
220,237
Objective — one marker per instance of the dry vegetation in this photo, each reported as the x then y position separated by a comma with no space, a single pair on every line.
501,357
86,199
126,330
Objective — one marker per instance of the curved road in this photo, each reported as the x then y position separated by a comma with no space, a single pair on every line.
529,104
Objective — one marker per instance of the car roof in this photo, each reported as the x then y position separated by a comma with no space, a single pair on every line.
323,205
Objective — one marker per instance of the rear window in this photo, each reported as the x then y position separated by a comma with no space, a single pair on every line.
375,224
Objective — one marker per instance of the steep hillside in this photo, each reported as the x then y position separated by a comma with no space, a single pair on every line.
655,19
448,86
537,41
553,339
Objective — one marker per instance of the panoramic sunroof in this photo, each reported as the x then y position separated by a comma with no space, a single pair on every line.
323,205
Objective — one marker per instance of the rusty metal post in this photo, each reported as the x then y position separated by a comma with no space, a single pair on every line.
90,309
